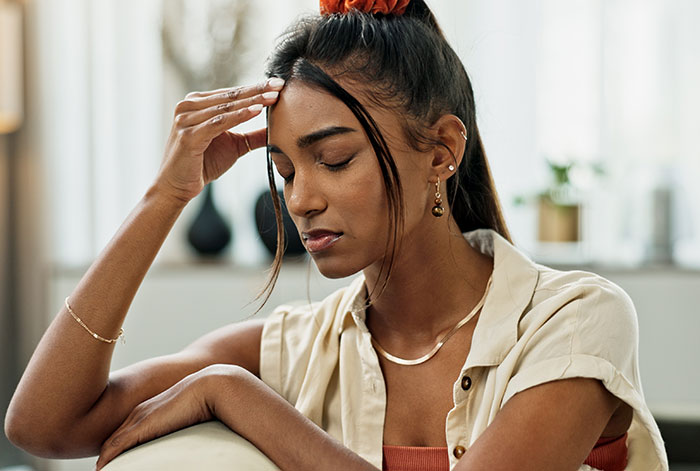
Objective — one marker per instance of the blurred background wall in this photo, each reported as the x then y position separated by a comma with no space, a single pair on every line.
589,82
605,87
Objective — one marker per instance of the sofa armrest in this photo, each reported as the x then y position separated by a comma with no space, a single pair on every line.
209,445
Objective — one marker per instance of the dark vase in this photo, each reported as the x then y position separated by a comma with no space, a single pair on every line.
209,233
267,227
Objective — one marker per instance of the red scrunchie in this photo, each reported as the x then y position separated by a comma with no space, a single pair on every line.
385,7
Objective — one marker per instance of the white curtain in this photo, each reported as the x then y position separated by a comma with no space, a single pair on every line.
101,129
606,81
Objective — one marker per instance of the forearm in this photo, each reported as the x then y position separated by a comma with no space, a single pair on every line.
276,428
69,369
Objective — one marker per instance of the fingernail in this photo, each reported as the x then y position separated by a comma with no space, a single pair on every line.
276,82
270,95
255,108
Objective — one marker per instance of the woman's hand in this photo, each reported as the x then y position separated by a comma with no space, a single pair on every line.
180,406
200,148
247,406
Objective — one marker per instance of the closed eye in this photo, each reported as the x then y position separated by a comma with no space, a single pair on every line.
288,178
284,170
340,165
333,167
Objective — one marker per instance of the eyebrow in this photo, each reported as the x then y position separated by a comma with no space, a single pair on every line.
314,137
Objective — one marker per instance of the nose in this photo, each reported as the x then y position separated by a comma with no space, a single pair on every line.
304,197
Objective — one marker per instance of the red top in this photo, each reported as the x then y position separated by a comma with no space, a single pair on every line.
608,454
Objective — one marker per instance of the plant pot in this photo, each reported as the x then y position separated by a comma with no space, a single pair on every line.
558,222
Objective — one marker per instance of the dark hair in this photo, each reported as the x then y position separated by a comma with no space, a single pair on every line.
408,66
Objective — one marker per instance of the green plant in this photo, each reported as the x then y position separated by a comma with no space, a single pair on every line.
561,191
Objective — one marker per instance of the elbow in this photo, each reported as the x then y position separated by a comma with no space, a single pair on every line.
13,426
11,431
17,431
35,437
35,444
23,435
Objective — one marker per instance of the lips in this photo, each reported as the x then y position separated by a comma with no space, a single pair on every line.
320,239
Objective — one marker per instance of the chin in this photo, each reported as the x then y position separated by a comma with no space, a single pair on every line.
335,268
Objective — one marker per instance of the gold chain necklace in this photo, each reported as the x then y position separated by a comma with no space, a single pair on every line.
431,353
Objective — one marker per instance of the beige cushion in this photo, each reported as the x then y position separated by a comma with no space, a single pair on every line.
208,446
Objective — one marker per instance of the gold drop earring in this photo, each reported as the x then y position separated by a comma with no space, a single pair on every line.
438,210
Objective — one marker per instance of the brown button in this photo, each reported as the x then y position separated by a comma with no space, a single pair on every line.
458,451
466,383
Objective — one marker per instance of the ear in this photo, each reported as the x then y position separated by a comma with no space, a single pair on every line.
451,133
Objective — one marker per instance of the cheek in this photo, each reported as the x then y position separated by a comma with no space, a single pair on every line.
370,201
418,192
360,192
363,209
419,200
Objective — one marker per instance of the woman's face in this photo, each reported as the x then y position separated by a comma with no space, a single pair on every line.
333,187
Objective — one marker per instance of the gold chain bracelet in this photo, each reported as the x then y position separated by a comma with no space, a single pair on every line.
94,335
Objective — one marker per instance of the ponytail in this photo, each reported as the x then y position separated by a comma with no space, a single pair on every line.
471,192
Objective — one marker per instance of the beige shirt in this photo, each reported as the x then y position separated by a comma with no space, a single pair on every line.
537,325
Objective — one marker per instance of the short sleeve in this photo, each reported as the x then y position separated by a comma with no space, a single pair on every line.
589,330
593,333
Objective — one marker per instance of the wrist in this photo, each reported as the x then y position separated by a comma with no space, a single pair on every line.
218,382
162,198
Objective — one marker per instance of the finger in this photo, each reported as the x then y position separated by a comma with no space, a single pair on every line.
119,440
230,94
219,91
257,138
206,93
123,439
247,142
196,117
114,444
112,448
209,129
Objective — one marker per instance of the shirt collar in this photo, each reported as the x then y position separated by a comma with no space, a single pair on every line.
515,277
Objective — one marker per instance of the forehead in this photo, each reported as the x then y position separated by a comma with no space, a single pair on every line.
302,109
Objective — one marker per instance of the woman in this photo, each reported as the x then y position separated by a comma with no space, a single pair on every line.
451,351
